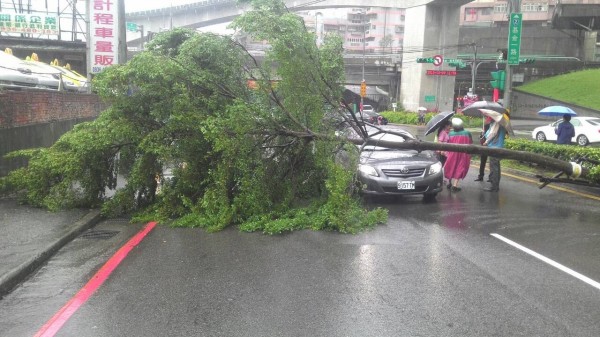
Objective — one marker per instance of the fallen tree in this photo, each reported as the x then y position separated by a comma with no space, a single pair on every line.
197,146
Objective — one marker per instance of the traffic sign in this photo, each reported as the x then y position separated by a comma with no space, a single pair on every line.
131,26
429,98
514,38
438,60
363,88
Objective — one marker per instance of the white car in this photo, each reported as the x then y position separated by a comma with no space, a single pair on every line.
368,108
15,74
587,130
48,77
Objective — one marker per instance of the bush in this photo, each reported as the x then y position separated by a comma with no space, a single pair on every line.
409,117
562,152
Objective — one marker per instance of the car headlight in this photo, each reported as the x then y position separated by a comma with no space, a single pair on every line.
368,170
435,168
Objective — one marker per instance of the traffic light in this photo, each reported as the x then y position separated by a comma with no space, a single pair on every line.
499,77
363,88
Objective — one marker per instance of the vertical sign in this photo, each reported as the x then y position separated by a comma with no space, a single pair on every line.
514,38
104,34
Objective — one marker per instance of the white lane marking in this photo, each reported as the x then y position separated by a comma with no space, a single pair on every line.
549,261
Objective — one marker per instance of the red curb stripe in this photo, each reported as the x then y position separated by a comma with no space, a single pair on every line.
62,316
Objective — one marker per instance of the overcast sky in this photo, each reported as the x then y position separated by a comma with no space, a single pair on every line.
141,5
130,5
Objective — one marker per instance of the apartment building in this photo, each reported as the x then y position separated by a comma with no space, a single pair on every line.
372,30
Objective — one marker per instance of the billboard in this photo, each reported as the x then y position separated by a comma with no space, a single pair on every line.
21,23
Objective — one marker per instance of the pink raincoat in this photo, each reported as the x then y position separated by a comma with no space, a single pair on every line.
457,164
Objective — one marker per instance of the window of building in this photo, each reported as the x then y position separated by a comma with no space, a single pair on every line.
500,8
534,7
471,14
399,29
486,11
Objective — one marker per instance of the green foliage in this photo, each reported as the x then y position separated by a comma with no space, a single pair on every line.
409,117
563,152
262,159
579,88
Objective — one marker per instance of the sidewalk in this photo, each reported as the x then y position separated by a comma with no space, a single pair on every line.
30,236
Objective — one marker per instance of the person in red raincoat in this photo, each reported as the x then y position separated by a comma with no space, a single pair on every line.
457,163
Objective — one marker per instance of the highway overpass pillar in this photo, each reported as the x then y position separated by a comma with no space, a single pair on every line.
430,30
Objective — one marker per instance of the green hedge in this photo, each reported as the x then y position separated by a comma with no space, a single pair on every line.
409,117
562,152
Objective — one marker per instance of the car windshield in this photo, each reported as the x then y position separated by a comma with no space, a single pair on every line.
388,137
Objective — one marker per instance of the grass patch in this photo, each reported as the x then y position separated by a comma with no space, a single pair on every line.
579,88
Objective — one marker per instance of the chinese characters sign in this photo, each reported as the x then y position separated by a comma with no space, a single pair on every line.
441,72
29,23
514,38
104,34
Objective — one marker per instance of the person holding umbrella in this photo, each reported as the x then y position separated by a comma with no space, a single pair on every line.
494,137
483,158
565,130
457,163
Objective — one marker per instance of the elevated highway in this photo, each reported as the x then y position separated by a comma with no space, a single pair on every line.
577,14
430,25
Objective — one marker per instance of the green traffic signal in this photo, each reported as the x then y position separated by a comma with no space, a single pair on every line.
499,79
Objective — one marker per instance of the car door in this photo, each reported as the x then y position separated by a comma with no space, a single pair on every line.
579,128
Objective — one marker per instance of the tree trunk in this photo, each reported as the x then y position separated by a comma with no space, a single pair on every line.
529,157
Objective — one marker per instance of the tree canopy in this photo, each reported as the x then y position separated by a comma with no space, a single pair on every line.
261,156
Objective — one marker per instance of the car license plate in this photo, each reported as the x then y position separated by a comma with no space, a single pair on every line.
406,185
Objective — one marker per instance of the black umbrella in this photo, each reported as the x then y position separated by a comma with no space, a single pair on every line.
437,121
473,109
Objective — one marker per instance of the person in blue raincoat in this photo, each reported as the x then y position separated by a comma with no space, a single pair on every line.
565,130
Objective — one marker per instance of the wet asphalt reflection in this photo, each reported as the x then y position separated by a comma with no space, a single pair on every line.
432,270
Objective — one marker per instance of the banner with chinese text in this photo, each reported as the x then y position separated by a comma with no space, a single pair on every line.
29,23
104,34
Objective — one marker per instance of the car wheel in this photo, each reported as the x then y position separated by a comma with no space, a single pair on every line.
540,137
582,140
429,197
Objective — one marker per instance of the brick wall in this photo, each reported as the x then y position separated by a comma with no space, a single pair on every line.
23,108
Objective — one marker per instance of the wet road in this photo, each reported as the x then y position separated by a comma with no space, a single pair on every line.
434,270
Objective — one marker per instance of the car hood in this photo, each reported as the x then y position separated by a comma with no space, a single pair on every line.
397,157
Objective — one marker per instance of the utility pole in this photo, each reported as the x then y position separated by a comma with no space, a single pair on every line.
122,49
474,66
364,29
515,7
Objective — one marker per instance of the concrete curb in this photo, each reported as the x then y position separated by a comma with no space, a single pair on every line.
20,273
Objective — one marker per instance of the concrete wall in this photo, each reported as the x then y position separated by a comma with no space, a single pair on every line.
31,119
426,40
536,40
525,105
